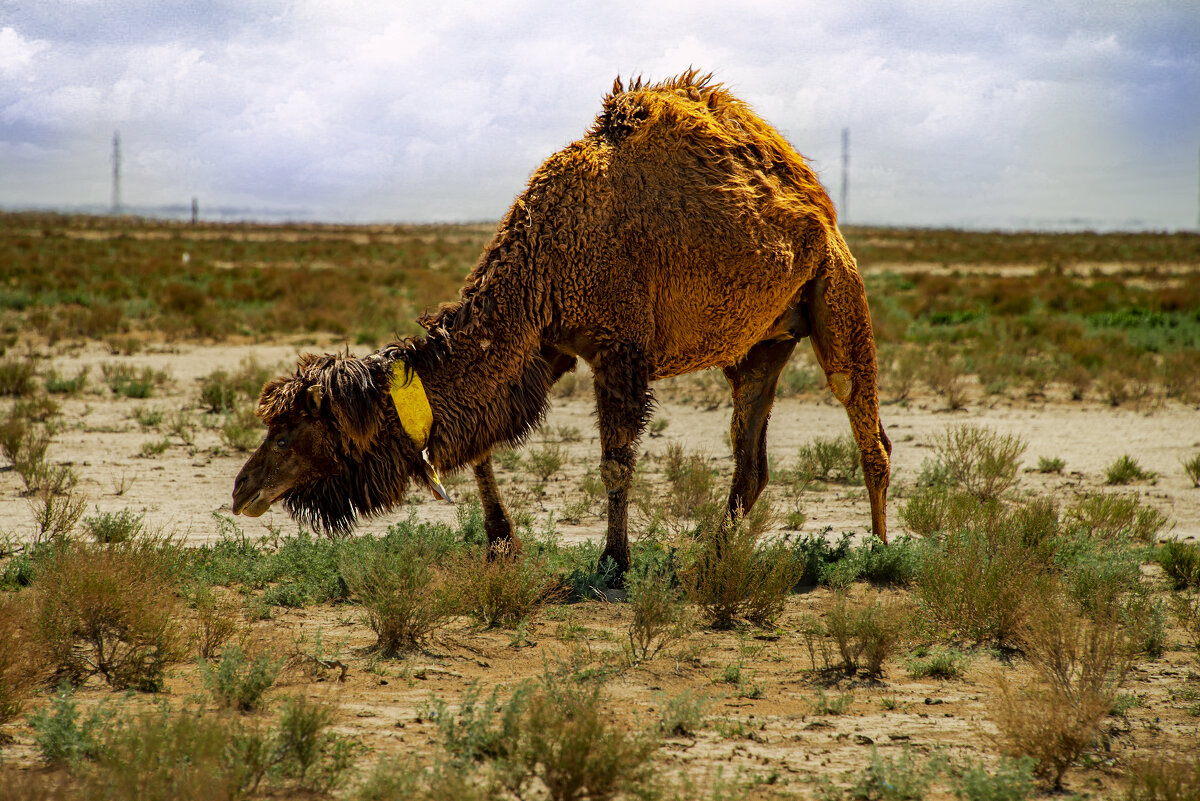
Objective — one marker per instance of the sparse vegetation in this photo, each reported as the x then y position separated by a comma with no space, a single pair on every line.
1126,470
406,590
733,576
993,555
1191,467
109,610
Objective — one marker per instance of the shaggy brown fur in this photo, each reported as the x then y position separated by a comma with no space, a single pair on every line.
681,233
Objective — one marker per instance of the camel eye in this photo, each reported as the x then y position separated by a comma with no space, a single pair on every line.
281,443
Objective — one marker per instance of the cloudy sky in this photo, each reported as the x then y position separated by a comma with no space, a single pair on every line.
1028,113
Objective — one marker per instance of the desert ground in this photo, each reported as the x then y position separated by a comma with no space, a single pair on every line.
771,721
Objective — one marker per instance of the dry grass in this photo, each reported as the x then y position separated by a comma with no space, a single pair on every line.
1079,664
21,663
110,611
506,588
733,576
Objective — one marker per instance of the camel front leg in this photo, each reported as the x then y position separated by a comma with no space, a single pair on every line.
496,522
753,381
844,343
623,399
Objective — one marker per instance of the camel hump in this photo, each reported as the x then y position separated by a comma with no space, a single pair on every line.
627,108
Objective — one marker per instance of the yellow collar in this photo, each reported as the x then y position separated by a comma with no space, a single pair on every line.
416,418
412,405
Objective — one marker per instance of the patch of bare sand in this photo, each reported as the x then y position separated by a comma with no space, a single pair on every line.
181,489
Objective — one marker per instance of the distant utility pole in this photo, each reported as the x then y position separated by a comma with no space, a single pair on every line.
844,210
116,165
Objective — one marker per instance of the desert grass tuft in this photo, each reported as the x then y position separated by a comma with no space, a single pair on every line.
1174,778
659,616
21,662
979,461
406,591
240,680
1112,515
828,459
1079,665
866,632
1126,470
730,575
1191,468
110,611
1181,562
502,588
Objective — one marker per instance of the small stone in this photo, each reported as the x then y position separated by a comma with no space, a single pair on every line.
863,739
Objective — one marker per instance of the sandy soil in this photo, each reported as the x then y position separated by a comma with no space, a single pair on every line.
777,739
181,489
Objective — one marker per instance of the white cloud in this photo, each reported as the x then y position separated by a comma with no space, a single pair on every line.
379,110
16,53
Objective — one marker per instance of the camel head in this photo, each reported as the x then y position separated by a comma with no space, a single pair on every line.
334,448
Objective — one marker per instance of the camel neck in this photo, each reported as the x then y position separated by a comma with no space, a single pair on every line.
481,394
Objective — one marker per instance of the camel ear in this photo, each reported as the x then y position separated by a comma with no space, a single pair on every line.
313,397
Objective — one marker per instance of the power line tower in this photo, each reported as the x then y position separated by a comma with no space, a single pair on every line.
116,175
843,209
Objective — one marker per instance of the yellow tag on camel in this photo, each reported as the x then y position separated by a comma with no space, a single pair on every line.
416,418
412,405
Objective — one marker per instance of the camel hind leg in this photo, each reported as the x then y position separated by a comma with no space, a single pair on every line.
753,381
840,330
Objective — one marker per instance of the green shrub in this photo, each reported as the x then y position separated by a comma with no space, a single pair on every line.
306,751
730,575
691,485
406,592
1050,465
938,663
545,461
891,564
62,735
238,682
242,430
981,462
866,633
981,583
683,714
1192,468
1011,781
829,459
128,381
1110,516
824,704
936,510
61,385
16,377
575,747
658,612
114,527
1126,470
894,779
1181,562
504,588
162,755
814,555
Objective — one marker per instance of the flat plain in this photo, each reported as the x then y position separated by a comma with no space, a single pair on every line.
132,354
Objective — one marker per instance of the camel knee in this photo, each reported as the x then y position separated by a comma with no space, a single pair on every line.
615,474
842,386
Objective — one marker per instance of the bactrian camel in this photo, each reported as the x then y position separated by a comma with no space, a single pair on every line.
681,232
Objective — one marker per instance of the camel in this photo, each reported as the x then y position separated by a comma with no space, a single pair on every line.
681,232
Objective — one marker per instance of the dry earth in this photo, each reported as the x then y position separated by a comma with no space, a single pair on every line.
777,738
